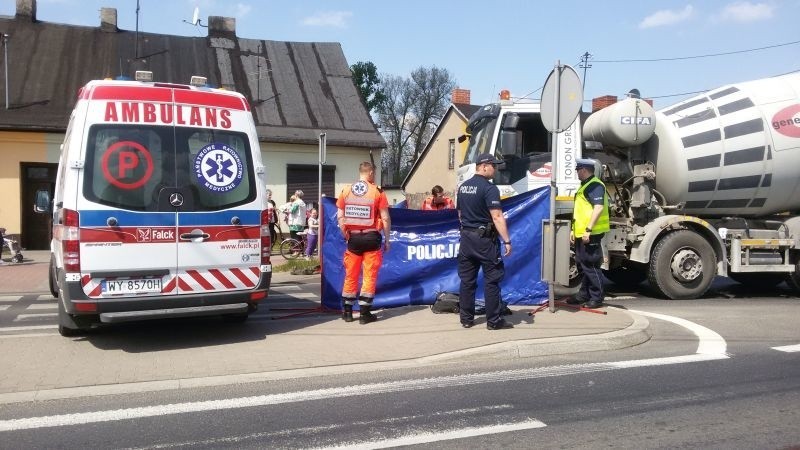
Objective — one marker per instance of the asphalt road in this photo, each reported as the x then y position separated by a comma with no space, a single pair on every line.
740,391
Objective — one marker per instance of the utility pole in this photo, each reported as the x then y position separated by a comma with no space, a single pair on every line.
5,63
136,41
585,65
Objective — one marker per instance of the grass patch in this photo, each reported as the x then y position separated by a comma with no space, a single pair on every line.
299,264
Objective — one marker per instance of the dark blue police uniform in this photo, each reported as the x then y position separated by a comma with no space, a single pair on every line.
589,256
479,248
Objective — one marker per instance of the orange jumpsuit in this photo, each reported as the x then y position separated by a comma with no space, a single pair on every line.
361,203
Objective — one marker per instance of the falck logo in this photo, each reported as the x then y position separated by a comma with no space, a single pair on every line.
143,234
155,234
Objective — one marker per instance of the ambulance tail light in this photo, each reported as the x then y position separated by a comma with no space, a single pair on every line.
70,241
266,243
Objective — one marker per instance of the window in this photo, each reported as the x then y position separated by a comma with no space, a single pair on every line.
305,177
130,166
451,160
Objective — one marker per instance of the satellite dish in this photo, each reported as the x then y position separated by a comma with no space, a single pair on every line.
196,16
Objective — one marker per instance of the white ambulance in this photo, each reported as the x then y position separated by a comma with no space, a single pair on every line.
159,208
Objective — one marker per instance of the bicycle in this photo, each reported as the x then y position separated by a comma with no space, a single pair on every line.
292,248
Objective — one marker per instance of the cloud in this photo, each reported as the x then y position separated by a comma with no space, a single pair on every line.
242,9
745,12
666,17
336,19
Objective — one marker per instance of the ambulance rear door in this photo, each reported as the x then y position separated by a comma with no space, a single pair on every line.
128,231
219,220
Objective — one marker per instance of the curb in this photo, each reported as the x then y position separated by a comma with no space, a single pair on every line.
637,333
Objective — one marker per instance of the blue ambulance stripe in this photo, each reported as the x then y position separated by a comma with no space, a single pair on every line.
99,218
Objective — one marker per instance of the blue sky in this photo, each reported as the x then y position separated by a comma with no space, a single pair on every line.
513,44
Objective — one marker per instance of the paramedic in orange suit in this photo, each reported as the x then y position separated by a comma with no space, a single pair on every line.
363,211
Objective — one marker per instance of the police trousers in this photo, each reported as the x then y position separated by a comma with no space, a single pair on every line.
477,252
589,257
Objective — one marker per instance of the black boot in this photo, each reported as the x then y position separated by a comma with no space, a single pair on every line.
347,314
366,315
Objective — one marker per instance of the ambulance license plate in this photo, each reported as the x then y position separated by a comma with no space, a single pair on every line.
131,286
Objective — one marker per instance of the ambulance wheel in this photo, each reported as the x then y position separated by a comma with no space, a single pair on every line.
682,266
66,323
52,278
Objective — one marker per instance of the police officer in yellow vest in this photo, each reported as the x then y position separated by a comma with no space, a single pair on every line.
589,224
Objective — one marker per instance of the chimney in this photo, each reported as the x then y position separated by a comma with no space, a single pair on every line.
108,20
599,103
460,96
26,9
221,26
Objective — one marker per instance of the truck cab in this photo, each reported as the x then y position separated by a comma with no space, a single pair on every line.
513,131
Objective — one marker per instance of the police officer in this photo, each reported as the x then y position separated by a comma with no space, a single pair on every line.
482,222
589,224
363,211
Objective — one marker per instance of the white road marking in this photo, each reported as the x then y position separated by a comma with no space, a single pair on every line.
27,317
39,306
26,335
711,347
4,307
427,438
282,288
711,343
29,328
788,348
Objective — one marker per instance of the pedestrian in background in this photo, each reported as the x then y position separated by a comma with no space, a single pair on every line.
312,234
437,200
297,215
272,212
482,222
590,222
363,211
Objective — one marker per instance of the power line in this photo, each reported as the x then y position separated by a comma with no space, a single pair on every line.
696,56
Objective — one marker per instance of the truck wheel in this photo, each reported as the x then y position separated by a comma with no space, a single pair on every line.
761,280
575,280
682,265
628,275
52,275
793,279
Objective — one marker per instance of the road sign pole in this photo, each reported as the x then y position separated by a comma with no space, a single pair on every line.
553,185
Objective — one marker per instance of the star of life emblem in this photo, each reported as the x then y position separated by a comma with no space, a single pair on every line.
360,188
218,168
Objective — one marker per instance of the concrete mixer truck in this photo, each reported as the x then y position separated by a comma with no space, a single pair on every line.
709,186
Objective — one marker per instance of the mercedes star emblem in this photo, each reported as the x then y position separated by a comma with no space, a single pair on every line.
176,199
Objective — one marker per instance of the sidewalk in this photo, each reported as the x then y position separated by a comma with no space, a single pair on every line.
188,354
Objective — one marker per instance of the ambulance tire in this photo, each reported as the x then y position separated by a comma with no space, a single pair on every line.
66,323
52,278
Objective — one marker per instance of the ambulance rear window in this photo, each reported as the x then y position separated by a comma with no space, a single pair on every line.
137,167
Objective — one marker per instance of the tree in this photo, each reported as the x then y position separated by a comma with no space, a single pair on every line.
367,81
410,110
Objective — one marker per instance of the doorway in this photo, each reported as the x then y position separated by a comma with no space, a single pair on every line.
36,228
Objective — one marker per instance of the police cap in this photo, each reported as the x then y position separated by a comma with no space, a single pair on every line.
487,158
585,163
